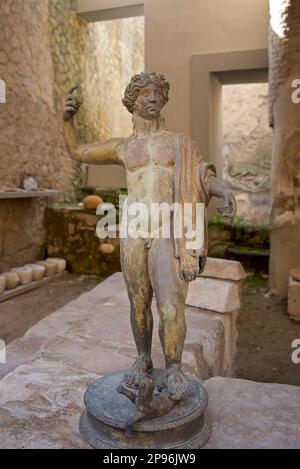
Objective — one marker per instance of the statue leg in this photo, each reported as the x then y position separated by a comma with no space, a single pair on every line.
170,291
134,261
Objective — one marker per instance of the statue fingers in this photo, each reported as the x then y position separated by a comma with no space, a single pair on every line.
183,275
70,102
193,275
76,102
70,109
230,209
79,102
74,87
189,275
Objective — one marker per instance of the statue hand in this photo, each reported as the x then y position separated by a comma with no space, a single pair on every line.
72,104
228,208
189,267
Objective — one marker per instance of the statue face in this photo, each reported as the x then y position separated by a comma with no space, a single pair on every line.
149,102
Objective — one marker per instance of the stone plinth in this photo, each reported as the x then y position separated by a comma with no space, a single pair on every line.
294,299
216,293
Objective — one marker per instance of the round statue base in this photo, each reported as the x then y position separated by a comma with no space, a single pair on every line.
103,422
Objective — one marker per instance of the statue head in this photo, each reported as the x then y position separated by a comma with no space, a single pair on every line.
146,95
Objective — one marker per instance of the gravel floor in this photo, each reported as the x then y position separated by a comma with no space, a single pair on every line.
265,336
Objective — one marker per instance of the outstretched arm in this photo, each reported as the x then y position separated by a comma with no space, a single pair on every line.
96,153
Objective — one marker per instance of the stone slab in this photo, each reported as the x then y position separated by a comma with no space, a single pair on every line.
223,269
222,296
246,414
294,299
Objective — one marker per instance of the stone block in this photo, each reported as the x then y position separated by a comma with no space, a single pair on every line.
222,296
251,415
294,299
223,269
218,288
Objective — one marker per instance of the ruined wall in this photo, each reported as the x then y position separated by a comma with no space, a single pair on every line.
284,58
247,149
44,48
30,136
30,139
102,57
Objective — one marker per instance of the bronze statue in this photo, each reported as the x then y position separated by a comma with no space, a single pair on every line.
161,166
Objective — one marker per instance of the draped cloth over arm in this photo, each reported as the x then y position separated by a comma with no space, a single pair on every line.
192,174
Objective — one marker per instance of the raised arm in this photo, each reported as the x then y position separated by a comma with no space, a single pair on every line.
96,153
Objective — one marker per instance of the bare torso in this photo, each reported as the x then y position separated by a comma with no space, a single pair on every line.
150,164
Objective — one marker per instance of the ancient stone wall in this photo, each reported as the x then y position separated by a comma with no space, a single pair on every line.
101,57
247,149
44,48
30,135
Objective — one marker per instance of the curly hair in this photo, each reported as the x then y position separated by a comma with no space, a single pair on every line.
141,80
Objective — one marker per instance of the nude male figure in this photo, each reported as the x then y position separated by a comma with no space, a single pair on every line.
151,264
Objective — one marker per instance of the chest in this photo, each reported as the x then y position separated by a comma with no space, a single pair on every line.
150,151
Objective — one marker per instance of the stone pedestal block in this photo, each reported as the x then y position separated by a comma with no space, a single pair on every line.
216,294
221,296
218,287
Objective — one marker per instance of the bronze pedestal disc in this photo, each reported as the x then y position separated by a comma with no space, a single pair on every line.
103,422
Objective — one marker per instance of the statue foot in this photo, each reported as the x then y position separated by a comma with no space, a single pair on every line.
142,365
176,383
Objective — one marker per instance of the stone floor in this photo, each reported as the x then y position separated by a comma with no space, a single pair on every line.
49,368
